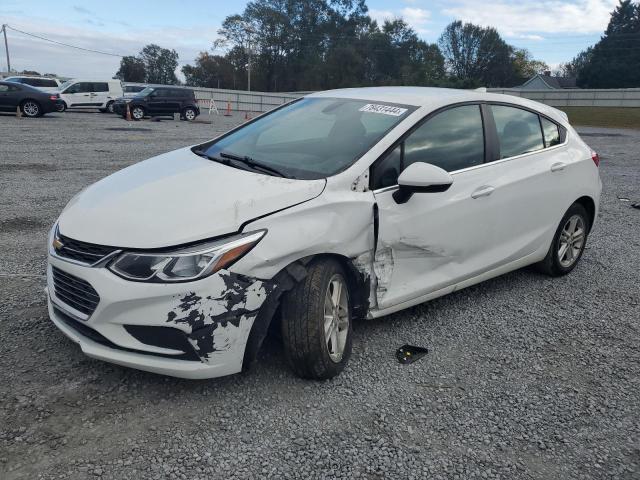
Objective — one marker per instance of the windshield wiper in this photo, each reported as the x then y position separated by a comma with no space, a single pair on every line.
254,164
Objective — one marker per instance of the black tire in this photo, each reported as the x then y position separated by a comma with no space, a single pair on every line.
61,107
303,323
189,114
552,265
30,108
108,108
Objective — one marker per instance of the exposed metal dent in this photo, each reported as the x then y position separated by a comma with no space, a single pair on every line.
361,183
383,270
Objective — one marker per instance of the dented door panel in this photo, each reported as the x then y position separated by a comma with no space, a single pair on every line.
432,241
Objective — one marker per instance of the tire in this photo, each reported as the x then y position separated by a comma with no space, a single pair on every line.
568,242
189,114
305,321
61,108
137,113
109,108
31,108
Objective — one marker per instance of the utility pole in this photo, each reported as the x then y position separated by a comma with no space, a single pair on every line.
249,71
6,47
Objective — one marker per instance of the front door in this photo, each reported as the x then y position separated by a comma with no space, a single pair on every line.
435,239
8,97
157,101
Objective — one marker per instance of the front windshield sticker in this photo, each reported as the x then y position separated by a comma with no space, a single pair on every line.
384,109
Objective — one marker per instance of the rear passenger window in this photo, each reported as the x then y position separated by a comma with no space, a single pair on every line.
101,87
519,131
551,132
451,140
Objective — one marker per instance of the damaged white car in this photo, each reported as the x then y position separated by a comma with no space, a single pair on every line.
341,205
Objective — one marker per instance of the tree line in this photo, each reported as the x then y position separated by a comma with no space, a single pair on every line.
303,45
614,61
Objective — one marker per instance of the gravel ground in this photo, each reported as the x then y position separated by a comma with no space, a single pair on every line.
527,376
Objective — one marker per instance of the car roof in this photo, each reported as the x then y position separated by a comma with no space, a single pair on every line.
435,97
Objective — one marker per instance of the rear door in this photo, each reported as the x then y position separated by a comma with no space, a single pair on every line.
99,93
435,239
530,182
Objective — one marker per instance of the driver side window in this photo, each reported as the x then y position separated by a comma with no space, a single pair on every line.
451,140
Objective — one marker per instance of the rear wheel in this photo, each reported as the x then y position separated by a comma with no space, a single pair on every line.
568,243
189,114
316,322
61,107
109,108
31,108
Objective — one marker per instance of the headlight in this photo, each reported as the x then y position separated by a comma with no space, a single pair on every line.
186,264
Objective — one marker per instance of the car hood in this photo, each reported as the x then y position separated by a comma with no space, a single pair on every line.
177,198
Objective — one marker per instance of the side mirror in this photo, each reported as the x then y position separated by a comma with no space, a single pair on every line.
421,178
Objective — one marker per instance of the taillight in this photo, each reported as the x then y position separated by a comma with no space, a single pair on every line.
595,158
54,97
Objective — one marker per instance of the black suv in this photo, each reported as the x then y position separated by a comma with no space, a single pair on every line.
159,101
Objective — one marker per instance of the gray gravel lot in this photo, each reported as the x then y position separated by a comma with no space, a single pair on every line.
527,376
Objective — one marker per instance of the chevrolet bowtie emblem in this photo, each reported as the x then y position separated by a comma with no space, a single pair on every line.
57,244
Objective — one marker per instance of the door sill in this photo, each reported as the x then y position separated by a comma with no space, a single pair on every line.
508,267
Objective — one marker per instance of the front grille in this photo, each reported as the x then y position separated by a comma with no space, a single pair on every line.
74,291
84,252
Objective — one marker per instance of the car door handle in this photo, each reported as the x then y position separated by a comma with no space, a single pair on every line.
557,167
483,191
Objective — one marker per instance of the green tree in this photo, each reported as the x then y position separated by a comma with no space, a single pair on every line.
614,62
525,66
132,69
477,56
160,64
211,71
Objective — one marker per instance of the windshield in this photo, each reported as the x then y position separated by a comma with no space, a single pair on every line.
145,92
66,84
312,138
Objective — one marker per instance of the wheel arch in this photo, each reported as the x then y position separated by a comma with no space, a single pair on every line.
590,206
285,280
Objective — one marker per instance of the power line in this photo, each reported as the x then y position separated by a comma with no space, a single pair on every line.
64,44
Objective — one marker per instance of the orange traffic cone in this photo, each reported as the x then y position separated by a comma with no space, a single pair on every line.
246,116
128,117
228,112
18,112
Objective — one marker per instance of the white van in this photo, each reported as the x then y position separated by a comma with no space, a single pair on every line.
46,84
90,94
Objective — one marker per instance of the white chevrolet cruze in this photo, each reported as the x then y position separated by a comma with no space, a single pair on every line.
341,205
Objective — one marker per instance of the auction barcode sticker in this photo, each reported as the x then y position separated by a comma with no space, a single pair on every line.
384,109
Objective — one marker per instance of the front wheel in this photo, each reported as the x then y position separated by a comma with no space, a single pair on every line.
109,108
316,322
568,243
31,108
61,107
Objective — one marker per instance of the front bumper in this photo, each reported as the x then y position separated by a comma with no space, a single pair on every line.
189,330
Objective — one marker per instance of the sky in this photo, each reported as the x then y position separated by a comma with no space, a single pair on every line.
552,30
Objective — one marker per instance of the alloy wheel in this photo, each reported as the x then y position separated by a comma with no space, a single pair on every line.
137,113
336,317
571,241
31,109
189,114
